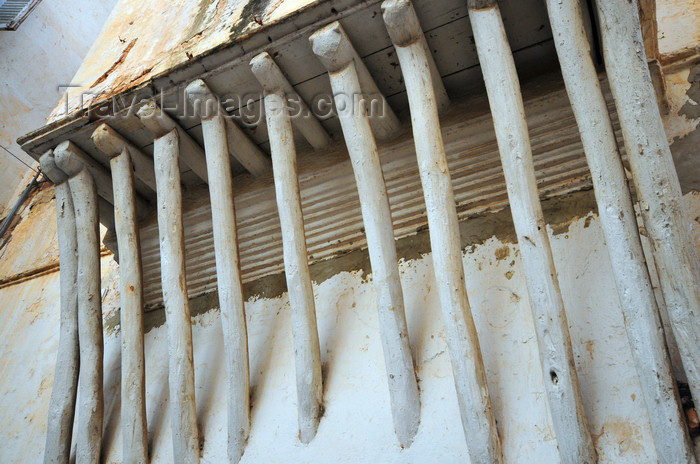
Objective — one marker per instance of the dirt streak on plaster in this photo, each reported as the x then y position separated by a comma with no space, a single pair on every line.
559,212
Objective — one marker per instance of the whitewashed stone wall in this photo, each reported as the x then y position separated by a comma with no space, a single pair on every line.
357,425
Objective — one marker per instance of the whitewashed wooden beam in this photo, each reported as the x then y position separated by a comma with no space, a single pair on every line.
617,218
228,276
478,420
133,377
240,146
556,354
271,78
111,143
78,158
159,123
654,176
65,382
91,397
334,49
75,159
376,215
183,419
307,353
404,28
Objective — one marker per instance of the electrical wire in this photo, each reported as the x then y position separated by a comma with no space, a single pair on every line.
17,158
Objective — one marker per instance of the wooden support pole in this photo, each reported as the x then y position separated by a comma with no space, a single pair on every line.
654,176
617,218
272,79
159,123
469,374
65,383
111,143
133,379
556,355
228,277
376,215
335,51
72,154
404,28
177,308
307,353
78,158
91,404
240,146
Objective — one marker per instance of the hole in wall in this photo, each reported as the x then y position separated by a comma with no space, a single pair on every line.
554,377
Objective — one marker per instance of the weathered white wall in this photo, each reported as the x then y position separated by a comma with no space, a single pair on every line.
42,54
679,25
357,423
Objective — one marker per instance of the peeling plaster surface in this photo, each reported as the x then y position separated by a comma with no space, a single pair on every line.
679,35
357,422
41,55
133,48
676,123
682,124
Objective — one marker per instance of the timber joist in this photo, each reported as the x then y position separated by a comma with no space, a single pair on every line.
204,200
